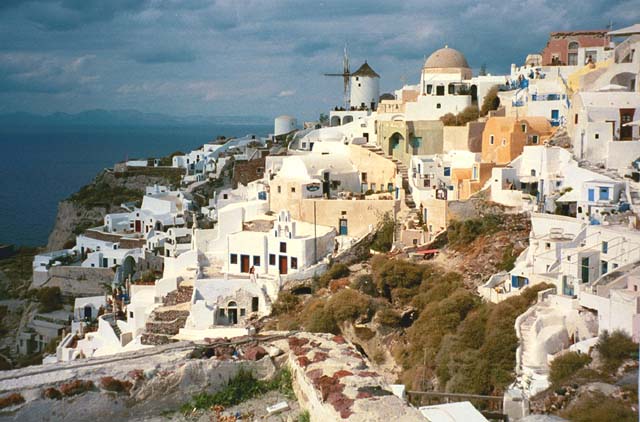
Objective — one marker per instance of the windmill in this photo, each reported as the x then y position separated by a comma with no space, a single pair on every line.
345,76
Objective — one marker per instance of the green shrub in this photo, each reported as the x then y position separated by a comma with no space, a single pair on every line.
348,305
383,239
338,271
364,284
242,387
615,348
389,274
490,102
304,416
318,319
565,366
469,114
388,317
462,233
287,302
49,298
596,407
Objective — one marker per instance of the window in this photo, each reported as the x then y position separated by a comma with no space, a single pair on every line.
603,194
597,136
475,173
272,259
254,304
523,127
447,171
279,189
364,177
293,190
575,118
256,260
438,105
547,245
440,90
491,139
294,263
573,45
233,258
243,312
452,89
504,142
604,267
534,139
283,247
605,247
429,89
130,314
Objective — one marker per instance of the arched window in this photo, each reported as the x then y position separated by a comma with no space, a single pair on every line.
232,304
533,172
573,45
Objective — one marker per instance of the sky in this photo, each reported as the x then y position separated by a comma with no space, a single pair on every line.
257,57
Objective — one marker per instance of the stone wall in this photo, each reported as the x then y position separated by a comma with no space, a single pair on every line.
78,281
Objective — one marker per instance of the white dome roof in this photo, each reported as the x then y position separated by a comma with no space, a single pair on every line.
446,58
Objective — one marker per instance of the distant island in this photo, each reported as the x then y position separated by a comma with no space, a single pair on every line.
100,117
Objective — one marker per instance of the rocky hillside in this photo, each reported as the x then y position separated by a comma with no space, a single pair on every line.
87,207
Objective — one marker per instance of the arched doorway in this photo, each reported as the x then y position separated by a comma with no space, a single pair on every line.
232,313
625,79
396,143
474,94
128,267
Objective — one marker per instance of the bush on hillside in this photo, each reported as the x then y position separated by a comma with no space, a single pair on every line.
364,284
49,298
348,305
462,233
383,239
596,407
392,273
318,319
566,365
286,302
490,102
388,317
469,114
615,348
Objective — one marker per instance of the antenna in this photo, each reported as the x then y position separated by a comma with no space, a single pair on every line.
345,76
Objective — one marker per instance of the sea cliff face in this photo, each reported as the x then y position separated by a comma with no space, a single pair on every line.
105,194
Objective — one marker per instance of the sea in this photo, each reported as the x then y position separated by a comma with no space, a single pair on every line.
40,166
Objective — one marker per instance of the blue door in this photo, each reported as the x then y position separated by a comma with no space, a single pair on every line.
592,195
343,227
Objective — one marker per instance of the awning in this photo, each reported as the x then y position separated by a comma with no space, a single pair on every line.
625,32
571,196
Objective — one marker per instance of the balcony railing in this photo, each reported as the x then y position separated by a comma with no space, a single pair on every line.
545,97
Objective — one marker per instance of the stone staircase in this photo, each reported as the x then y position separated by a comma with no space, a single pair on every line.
164,323
402,170
181,295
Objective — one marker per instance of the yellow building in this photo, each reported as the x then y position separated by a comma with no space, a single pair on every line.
504,138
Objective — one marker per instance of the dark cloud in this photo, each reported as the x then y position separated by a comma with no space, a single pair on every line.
179,55
67,15
232,57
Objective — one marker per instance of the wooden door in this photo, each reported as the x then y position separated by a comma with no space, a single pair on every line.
283,264
626,116
138,226
244,263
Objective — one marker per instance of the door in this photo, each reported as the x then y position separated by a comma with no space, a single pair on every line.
138,226
585,270
244,263
233,316
283,264
343,227
626,116
591,195
326,184
87,312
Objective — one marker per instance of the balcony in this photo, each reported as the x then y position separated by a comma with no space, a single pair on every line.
545,97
